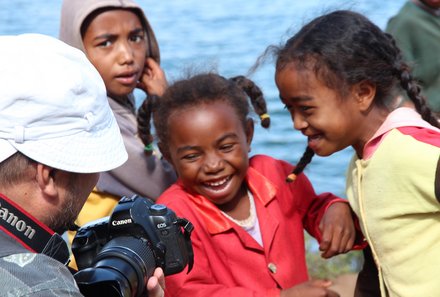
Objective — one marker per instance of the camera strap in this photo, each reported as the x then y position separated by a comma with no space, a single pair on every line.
188,227
30,233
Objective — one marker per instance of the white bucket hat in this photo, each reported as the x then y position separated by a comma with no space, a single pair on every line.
54,108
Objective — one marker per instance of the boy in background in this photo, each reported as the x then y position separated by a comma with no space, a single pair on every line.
416,29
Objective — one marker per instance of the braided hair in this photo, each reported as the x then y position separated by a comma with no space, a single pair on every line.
196,90
344,48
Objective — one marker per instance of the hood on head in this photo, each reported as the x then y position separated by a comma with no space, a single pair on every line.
75,12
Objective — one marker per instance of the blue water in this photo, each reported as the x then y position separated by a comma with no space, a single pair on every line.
227,36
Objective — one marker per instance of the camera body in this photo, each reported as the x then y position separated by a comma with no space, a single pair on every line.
117,254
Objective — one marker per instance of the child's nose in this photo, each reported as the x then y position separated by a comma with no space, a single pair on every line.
126,55
299,122
213,163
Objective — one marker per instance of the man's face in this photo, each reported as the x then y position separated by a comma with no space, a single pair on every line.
77,188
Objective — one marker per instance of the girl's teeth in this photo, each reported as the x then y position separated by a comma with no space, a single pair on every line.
219,183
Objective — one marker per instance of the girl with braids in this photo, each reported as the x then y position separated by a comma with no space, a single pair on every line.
119,41
248,236
339,77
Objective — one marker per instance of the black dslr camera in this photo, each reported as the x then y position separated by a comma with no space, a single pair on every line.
116,255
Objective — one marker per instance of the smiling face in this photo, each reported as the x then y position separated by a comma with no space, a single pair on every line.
115,43
330,123
208,148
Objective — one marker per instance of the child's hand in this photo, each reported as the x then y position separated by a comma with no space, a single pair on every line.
338,231
313,288
152,80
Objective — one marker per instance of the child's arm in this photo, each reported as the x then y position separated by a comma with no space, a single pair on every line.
337,229
153,80
328,218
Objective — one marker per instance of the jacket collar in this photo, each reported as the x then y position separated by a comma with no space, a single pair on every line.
400,117
263,190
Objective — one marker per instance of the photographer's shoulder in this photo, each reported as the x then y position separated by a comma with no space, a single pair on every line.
37,275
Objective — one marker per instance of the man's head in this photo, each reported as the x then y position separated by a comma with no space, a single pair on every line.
57,131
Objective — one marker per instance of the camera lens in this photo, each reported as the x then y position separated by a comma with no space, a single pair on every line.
123,265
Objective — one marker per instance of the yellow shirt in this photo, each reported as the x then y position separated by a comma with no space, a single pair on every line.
98,205
393,195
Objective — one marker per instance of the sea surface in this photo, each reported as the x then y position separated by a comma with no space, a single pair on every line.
227,36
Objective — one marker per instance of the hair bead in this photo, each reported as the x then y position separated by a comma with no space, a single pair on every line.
264,116
149,147
291,178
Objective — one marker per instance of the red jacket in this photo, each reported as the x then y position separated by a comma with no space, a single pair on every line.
227,260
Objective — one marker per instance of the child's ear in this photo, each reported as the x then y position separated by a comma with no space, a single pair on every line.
165,152
249,132
364,92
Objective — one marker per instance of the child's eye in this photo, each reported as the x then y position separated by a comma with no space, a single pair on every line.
227,147
304,108
137,38
105,43
190,157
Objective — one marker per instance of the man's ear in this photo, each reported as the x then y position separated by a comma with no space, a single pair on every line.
249,132
45,177
364,92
